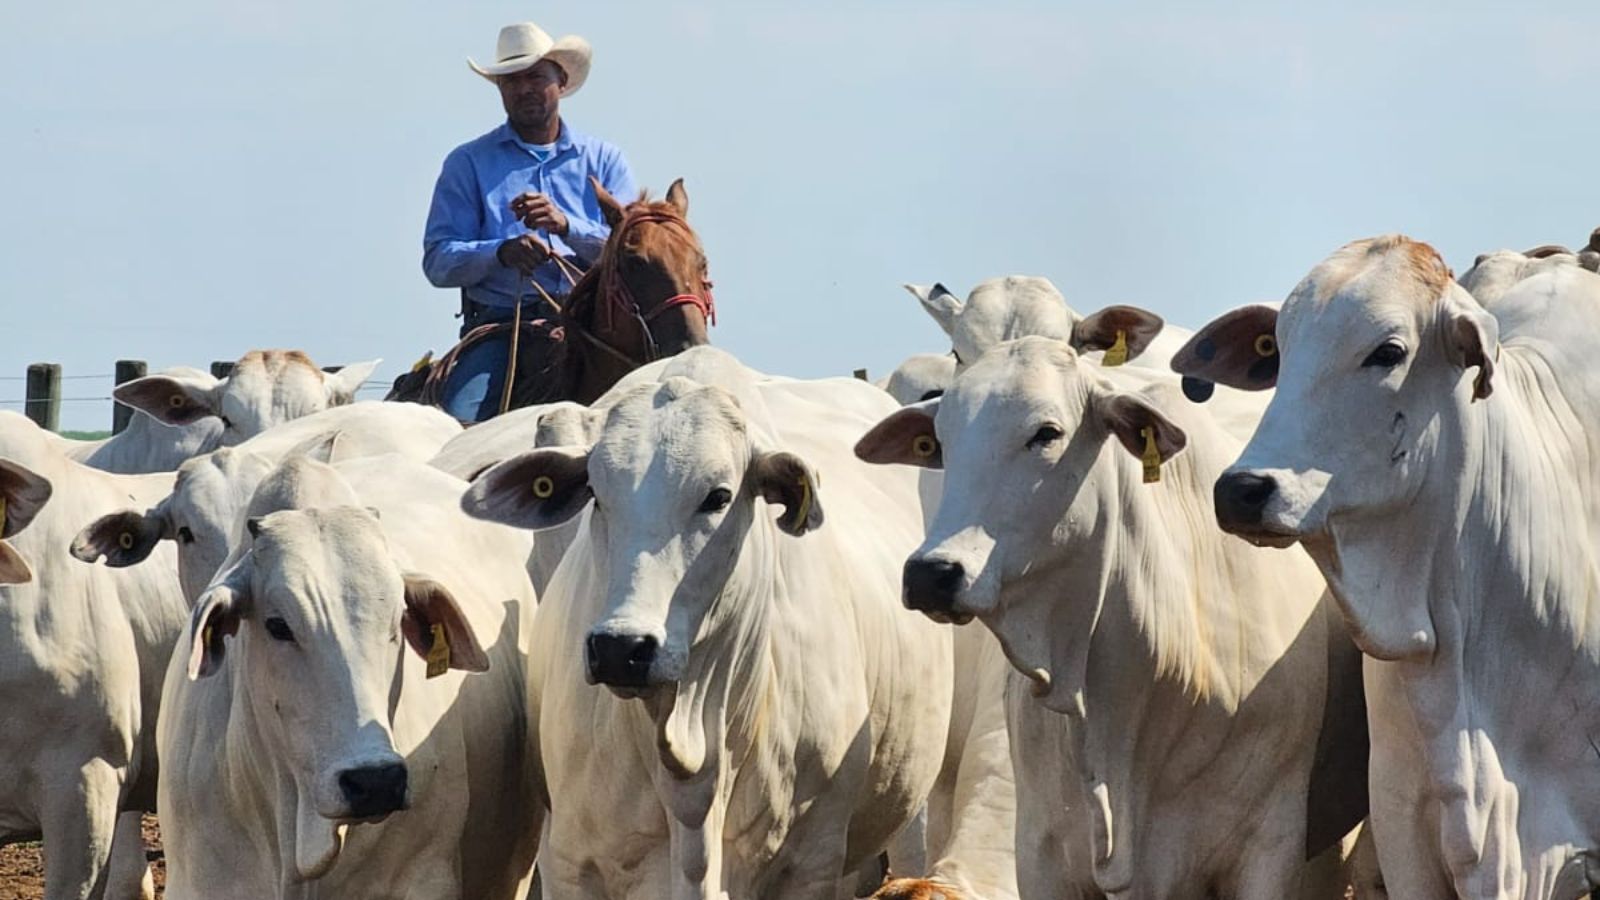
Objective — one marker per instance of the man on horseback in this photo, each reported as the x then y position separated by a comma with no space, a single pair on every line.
506,200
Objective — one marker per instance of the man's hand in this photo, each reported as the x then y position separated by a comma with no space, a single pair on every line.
538,211
524,252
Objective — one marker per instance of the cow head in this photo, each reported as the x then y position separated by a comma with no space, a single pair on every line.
1004,309
266,388
1377,357
23,493
1037,447
318,615
678,481
201,516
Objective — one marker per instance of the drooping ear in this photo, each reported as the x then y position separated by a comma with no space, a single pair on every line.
1546,250
428,603
1238,349
322,448
1590,259
124,538
23,492
1472,339
216,616
783,478
610,209
535,490
13,568
679,198
1135,421
940,303
1100,331
906,437
176,398
342,385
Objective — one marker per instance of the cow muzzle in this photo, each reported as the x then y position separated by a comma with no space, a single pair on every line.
1242,501
620,660
372,792
932,586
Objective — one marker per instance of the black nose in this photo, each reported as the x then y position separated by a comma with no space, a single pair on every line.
930,585
620,660
1240,497
374,790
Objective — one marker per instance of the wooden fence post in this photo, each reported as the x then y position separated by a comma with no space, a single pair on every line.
861,374
221,368
127,370
43,398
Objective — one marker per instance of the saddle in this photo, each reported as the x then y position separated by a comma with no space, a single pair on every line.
539,352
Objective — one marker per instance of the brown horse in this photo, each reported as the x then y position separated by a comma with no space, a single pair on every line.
646,297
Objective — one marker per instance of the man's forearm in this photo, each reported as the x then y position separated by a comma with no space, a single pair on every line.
460,264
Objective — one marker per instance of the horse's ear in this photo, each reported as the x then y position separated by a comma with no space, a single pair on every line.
609,207
679,198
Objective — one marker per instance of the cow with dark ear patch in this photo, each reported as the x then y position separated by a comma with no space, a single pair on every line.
1126,327
22,494
1238,349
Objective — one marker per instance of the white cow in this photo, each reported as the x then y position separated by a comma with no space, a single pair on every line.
1191,671
1436,456
920,377
266,388
772,717
202,511
308,748
148,444
81,656
1493,274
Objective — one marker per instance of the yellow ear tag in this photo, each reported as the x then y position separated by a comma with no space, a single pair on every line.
422,363
205,636
805,503
923,446
1151,456
2,517
1266,345
544,487
1118,352
125,540
438,653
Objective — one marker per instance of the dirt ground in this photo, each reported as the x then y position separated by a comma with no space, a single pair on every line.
22,866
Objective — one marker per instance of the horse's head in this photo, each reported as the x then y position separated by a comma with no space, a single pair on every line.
653,295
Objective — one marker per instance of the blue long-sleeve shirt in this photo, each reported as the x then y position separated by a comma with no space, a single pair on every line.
471,212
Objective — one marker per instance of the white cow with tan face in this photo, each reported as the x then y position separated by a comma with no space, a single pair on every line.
346,717
266,388
1178,678
769,716
1436,458
81,656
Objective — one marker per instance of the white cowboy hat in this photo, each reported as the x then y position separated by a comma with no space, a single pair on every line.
524,44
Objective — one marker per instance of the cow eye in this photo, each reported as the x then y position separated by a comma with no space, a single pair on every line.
717,500
1389,354
279,629
185,536
226,422
1045,436
929,395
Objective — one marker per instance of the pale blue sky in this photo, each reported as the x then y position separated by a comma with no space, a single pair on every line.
186,179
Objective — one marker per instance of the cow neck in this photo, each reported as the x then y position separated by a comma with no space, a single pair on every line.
1501,585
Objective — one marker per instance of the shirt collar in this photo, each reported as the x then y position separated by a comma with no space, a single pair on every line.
564,137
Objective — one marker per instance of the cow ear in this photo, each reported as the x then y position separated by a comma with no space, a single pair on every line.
610,209
429,606
1238,349
906,437
322,448
1472,339
679,198
216,616
536,490
1130,326
343,384
1139,426
785,479
175,398
13,568
23,492
940,303
125,538
1590,259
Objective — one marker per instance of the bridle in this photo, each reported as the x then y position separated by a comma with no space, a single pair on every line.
614,298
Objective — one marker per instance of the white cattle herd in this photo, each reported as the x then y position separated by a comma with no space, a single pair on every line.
713,636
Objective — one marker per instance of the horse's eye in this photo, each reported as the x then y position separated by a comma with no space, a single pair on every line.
717,500
1389,354
279,630
1045,436
185,536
